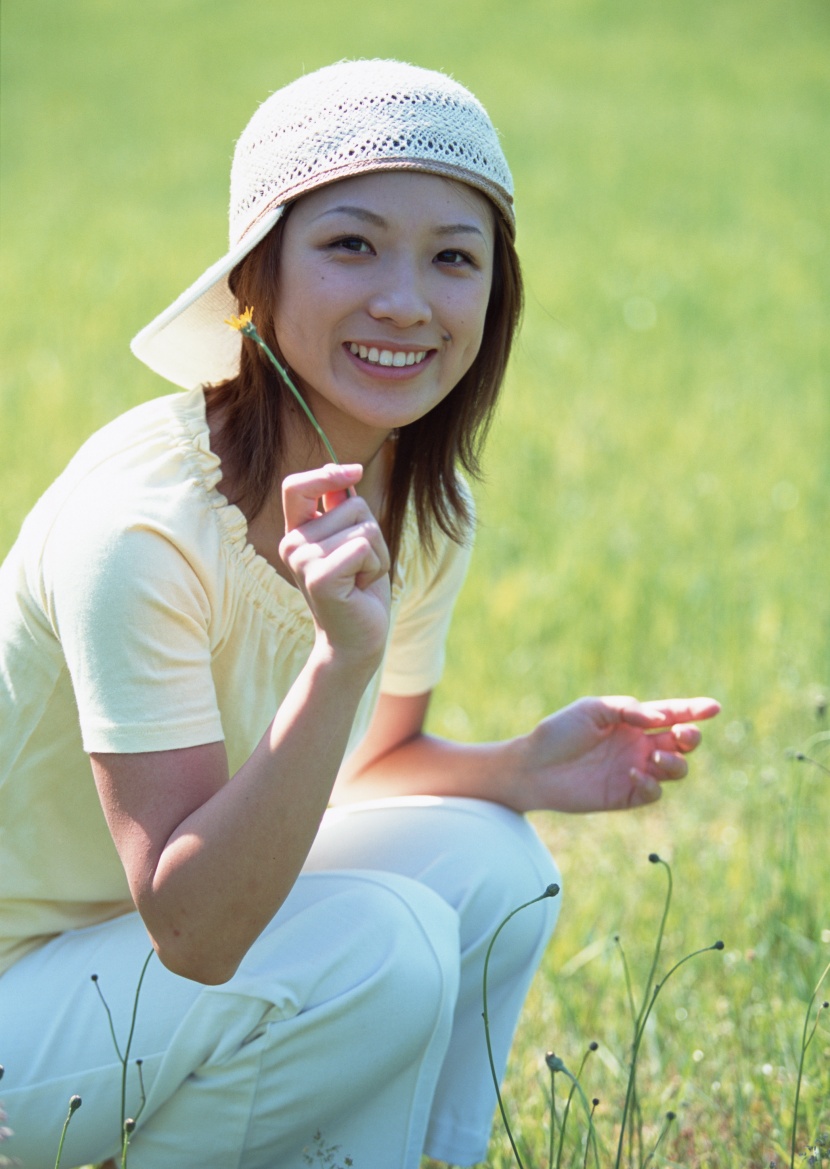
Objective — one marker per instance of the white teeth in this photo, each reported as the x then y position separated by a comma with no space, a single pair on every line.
386,357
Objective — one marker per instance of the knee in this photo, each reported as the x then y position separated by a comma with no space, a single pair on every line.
506,865
411,956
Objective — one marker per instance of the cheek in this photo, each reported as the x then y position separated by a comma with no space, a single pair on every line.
470,326
471,308
294,317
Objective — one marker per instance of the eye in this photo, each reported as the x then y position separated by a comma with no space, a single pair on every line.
454,258
353,244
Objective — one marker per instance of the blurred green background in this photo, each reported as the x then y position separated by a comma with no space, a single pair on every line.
655,518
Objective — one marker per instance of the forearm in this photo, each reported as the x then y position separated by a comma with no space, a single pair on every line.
426,765
597,754
228,866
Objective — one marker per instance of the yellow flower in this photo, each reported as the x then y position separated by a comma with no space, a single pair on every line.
241,322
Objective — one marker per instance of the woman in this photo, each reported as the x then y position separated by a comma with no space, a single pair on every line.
241,634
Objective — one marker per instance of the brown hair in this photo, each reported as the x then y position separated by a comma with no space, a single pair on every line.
427,451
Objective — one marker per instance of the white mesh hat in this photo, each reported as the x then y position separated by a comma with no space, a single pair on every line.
348,119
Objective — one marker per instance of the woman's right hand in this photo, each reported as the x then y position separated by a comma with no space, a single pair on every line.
339,560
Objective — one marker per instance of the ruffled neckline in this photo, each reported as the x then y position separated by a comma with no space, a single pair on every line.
266,587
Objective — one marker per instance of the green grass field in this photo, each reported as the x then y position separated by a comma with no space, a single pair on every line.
657,507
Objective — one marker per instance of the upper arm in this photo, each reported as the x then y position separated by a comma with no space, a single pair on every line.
135,625
146,796
397,719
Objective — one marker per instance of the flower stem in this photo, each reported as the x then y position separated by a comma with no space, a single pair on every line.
249,329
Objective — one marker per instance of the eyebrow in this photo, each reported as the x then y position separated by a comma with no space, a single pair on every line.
378,221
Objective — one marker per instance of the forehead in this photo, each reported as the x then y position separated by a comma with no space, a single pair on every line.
401,198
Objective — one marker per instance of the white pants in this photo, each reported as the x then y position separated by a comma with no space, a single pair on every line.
356,1015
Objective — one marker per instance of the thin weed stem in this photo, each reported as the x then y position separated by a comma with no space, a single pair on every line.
666,1126
591,1132
574,1084
74,1105
129,1129
125,1060
656,860
802,758
557,1065
139,1064
635,1104
806,1040
551,891
628,986
552,1138
94,980
647,1008
639,1023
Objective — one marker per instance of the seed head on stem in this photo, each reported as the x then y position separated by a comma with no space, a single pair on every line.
74,1105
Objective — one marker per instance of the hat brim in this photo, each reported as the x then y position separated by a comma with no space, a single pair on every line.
189,343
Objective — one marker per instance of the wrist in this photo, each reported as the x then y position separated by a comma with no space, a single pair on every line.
518,773
353,667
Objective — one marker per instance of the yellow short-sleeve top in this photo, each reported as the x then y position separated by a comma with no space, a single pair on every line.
135,616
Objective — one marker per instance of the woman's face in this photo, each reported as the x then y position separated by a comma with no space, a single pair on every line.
384,283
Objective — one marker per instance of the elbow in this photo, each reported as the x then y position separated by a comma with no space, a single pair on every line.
208,969
191,955
189,948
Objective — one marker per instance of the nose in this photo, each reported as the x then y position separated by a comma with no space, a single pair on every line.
400,295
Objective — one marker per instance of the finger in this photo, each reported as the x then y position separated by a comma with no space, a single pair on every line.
686,737
353,510
667,765
340,571
644,789
372,535
668,711
320,537
300,552
302,492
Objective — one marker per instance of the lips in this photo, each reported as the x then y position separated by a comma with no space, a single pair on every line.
394,358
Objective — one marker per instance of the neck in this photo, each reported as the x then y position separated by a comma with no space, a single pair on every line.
303,450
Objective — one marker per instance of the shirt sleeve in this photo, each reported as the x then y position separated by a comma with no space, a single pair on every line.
417,648
133,620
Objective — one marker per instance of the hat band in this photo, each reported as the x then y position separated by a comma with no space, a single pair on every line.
496,193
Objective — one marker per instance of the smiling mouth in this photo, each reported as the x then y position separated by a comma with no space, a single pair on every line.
387,357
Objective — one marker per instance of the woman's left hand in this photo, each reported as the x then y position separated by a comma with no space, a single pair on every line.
599,754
